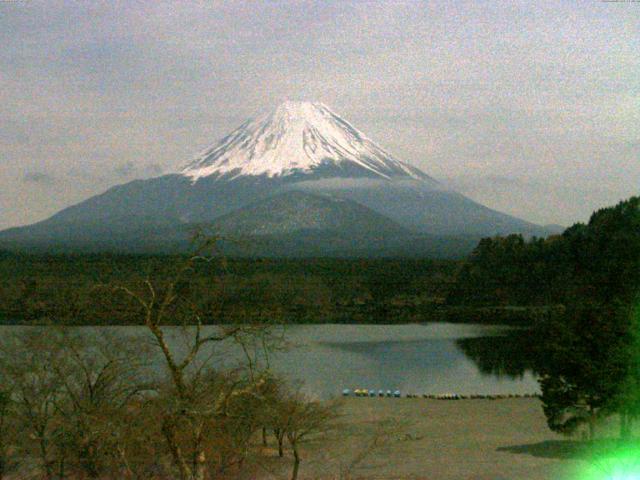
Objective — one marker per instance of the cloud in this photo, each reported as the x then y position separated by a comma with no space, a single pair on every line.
124,170
542,200
484,87
38,177
132,170
154,169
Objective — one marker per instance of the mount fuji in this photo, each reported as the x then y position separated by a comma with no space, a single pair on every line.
300,180
298,138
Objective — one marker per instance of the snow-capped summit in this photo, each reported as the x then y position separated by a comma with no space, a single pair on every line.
300,181
297,137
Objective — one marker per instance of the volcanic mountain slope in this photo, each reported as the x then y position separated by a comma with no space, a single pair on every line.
298,224
300,146
294,211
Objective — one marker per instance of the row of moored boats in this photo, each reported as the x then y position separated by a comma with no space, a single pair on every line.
363,392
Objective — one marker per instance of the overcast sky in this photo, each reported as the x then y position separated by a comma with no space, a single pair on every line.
529,107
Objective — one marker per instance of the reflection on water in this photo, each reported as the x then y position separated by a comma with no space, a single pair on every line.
506,355
430,358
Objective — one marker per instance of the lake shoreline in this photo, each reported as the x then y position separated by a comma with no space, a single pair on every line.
448,396
514,316
439,440
431,358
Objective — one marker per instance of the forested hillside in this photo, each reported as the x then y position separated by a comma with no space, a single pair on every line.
598,260
588,354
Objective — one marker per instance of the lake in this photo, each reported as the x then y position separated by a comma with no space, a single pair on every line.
428,358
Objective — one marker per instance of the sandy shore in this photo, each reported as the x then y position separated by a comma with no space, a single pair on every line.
382,438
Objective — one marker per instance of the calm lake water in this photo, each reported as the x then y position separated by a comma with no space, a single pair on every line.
419,359
428,358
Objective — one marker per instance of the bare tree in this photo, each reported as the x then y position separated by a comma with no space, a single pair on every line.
7,431
257,344
27,369
83,403
274,414
67,392
101,376
371,443
298,419
191,402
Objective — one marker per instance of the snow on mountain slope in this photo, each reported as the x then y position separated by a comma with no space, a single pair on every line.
298,137
300,172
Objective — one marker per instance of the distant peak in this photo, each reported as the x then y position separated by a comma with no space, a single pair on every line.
299,106
297,137
298,111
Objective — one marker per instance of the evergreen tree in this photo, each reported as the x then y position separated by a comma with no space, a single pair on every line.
583,363
590,359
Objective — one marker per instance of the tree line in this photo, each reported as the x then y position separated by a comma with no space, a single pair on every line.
596,260
61,288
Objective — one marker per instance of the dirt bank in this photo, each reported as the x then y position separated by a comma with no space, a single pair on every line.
385,438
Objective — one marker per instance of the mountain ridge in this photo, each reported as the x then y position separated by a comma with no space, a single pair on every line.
301,147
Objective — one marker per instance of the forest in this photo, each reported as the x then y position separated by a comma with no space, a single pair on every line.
63,288
586,354
598,260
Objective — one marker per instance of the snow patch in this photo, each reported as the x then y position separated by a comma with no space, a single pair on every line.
297,137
